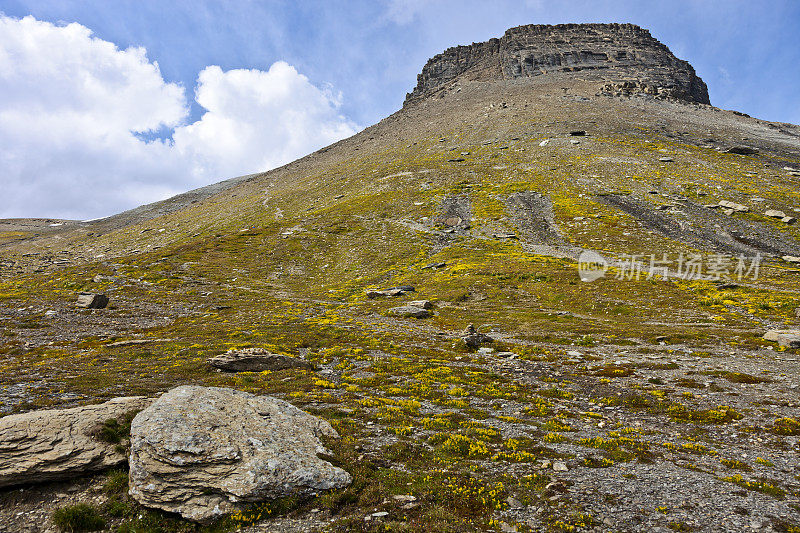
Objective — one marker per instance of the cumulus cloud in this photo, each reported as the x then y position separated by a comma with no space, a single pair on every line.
74,106
257,120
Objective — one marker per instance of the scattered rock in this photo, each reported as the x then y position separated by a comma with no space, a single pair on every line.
204,452
255,360
410,311
788,220
559,466
773,213
473,339
504,235
733,205
89,300
456,160
390,292
578,133
741,150
788,338
665,159
423,304
61,443
791,259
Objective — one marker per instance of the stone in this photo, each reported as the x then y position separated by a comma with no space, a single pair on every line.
797,312
89,300
404,288
55,444
741,150
665,159
504,235
410,311
774,213
788,220
384,293
424,304
256,360
485,350
204,452
733,205
787,338
473,339
791,259
559,466
577,133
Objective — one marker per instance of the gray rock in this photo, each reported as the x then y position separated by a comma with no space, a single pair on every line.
773,213
410,311
424,304
204,452
665,159
89,300
58,444
255,360
733,205
788,220
741,150
791,259
473,339
788,338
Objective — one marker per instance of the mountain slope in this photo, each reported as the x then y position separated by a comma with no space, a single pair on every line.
477,194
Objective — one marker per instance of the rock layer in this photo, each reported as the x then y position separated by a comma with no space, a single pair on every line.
204,452
623,56
60,443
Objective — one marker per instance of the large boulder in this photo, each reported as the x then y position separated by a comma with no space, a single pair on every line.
255,360
204,452
58,444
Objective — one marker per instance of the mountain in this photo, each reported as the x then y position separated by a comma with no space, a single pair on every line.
644,397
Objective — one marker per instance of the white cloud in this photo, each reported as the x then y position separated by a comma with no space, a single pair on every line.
256,120
71,105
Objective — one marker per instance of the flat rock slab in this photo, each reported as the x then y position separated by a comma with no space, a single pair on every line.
255,360
410,311
204,452
788,338
58,444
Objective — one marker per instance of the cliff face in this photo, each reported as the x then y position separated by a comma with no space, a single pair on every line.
624,58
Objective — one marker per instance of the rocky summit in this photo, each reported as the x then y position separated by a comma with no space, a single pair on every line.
620,57
557,291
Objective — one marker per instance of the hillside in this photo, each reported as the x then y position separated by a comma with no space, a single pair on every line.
627,403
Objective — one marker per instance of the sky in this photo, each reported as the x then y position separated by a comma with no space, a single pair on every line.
105,106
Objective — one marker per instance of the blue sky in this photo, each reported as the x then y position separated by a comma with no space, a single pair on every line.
353,61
